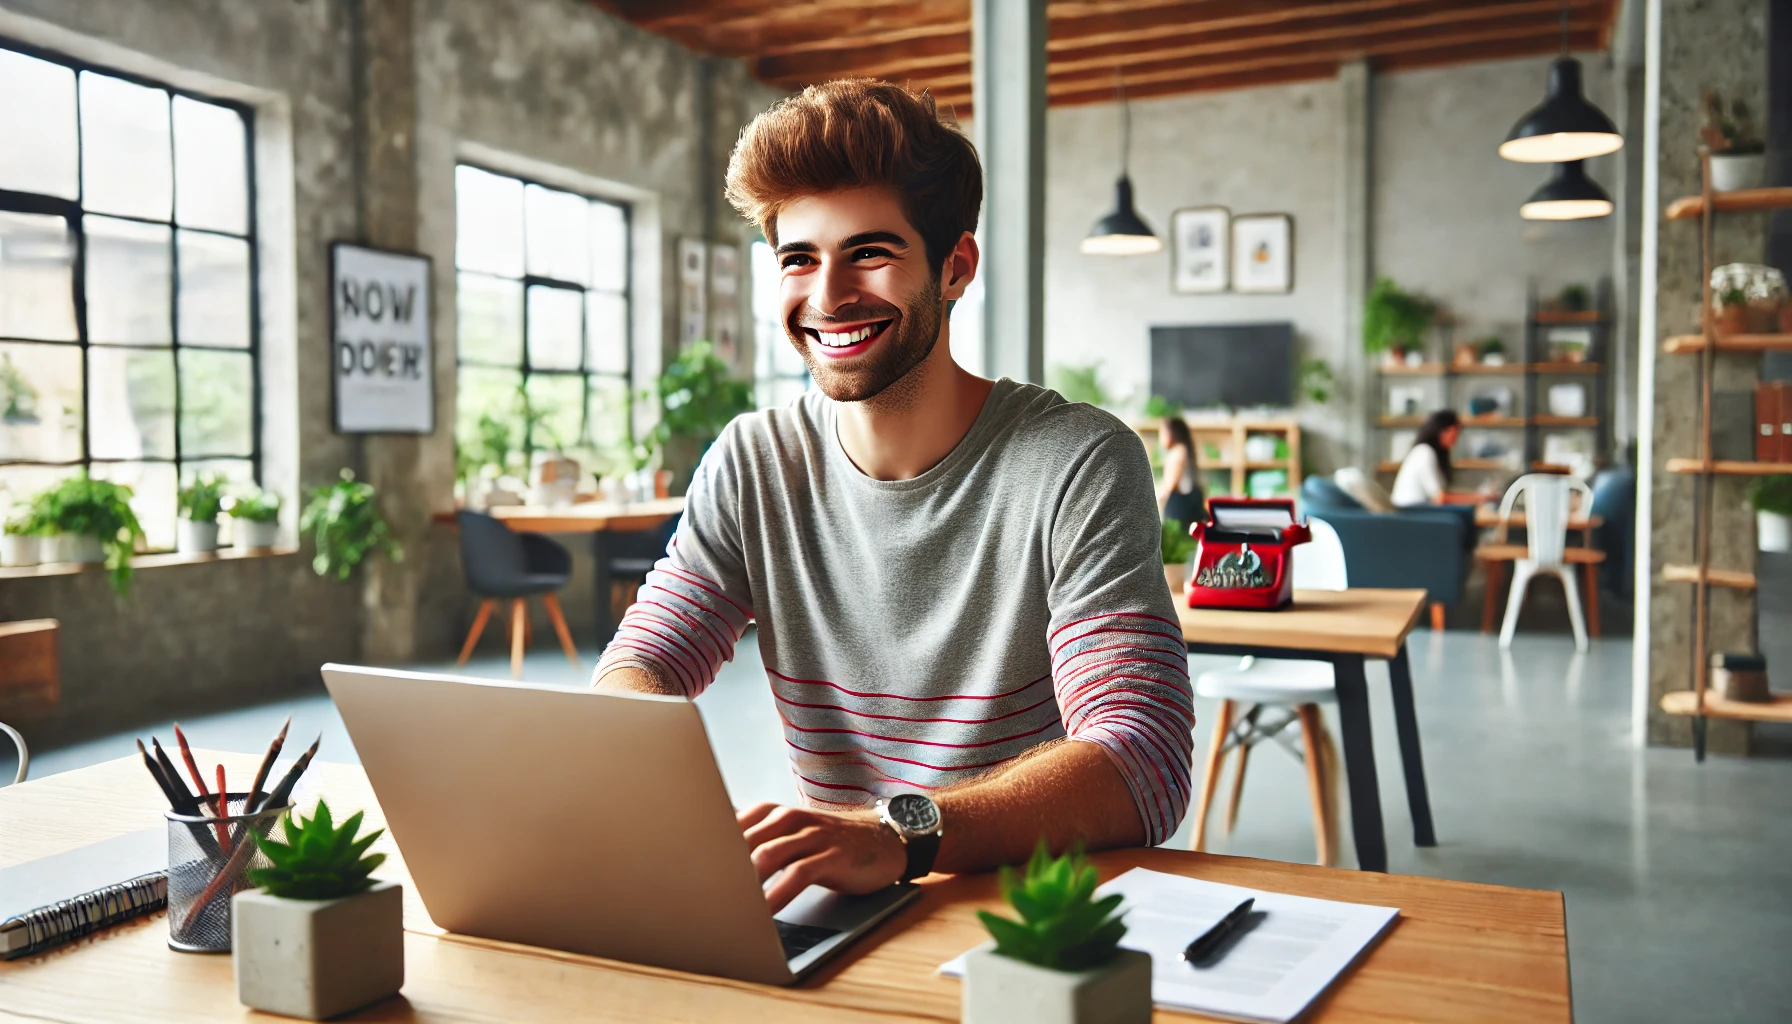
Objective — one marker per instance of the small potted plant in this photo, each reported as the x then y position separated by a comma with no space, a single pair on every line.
92,522
1395,321
1062,962
345,522
1574,298
1732,310
1178,548
254,518
1771,498
200,503
20,543
1492,350
1738,156
320,937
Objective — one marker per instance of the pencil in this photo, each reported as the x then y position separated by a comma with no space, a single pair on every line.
284,790
155,772
185,802
223,812
186,754
267,762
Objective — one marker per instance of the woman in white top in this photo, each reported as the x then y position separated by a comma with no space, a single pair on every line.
1178,493
1425,472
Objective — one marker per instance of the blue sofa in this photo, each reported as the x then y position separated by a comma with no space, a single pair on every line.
1407,548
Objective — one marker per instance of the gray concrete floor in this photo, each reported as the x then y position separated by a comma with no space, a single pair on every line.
1677,876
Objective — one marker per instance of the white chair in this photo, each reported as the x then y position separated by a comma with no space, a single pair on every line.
1275,694
1546,499
24,753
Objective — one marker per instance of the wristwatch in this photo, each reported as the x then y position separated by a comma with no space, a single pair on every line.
916,821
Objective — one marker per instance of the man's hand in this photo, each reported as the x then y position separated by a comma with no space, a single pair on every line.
849,852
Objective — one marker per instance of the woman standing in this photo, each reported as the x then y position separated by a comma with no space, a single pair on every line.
1179,493
1425,473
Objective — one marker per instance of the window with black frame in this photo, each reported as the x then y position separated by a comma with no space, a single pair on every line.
542,288
128,328
779,373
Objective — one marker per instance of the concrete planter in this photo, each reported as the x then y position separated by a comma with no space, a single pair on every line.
253,535
20,549
998,990
318,958
77,547
191,538
1773,532
1730,172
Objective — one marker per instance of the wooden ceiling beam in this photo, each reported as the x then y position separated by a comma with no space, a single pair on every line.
960,100
819,24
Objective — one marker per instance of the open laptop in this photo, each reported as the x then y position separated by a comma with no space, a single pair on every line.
590,822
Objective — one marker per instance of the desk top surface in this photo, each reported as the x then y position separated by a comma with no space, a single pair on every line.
1373,623
1458,952
584,517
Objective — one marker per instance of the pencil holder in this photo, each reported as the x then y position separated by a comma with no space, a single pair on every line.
208,860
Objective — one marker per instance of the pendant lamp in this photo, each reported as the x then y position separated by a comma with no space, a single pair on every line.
1122,232
1566,127
1568,195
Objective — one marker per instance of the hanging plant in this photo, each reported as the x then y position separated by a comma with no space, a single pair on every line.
344,521
1395,319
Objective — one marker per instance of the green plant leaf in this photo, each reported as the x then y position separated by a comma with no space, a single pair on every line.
1063,926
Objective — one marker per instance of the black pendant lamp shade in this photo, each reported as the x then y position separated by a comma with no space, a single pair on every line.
1568,195
1123,232
1566,127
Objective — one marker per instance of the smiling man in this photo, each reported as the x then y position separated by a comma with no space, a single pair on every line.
956,580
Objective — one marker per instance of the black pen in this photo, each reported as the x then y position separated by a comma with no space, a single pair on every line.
1209,940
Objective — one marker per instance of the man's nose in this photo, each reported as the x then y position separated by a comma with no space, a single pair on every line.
835,287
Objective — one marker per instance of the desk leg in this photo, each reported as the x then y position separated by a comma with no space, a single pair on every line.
1359,763
606,626
1406,723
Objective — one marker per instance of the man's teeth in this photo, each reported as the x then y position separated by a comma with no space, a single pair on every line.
843,339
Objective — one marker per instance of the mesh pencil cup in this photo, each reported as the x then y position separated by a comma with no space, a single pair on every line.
208,860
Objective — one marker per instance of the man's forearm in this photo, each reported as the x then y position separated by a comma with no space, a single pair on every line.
632,679
1064,792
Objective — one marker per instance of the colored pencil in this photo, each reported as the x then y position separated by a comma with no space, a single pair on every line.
223,812
185,802
155,772
267,762
186,755
282,791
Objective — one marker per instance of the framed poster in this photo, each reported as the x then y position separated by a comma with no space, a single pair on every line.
693,290
1199,237
379,321
724,300
1263,253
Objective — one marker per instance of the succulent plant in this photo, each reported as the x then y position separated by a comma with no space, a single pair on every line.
318,861
1062,925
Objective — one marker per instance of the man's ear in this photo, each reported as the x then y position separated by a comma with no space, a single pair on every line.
960,267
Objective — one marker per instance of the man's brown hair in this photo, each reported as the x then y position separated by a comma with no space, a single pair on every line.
853,133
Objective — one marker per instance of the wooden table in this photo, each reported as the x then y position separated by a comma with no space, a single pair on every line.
1344,627
1458,952
1487,515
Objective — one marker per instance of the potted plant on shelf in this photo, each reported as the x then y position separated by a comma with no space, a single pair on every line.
320,937
1732,310
1062,962
1771,498
200,503
20,538
1314,380
1738,156
345,522
1574,298
255,519
1492,350
1395,321
92,522
1178,549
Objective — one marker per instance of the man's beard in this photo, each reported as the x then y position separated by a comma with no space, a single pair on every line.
905,344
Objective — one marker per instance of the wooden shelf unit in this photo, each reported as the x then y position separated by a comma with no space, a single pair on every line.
1471,465
1229,436
1687,344
1569,316
1686,702
1727,467
1746,200
1732,578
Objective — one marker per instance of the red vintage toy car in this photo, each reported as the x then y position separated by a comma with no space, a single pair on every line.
1245,559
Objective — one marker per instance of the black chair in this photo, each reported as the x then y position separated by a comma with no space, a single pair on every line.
503,565
628,558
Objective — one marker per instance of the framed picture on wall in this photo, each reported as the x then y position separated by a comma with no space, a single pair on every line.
1199,239
1263,253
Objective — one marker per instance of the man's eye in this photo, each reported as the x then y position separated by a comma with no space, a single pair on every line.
871,253
795,260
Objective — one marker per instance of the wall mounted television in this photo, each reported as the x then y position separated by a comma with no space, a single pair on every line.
1235,365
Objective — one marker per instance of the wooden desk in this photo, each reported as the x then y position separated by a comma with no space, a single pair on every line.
1459,951
1486,516
1343,627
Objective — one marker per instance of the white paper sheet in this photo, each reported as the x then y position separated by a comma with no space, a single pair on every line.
1298,947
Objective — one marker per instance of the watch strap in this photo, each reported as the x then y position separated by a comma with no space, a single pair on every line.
922,849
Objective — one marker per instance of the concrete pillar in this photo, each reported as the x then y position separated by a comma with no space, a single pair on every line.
1008,100
1356,378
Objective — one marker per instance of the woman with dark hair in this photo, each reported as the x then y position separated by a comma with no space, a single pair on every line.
1425,474
1179,492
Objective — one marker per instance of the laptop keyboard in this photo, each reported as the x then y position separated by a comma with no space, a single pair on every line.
801,938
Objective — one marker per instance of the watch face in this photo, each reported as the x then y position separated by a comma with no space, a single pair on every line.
914,812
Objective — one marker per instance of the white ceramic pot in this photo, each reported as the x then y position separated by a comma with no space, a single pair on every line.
317,958
78,547
191,538
251,535
998,990
20,549
1730,172
1773,532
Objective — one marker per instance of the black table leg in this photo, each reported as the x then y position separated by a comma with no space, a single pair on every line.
1406,723
606,626
1359,763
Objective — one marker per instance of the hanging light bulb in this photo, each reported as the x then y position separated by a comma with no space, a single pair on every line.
1122,232
1568,195
1566,127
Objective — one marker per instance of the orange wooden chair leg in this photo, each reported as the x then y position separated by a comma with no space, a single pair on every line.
1496,574
554,613
1222,723
1592,599
1437,616
1312,741
479,621
1244,754
519,617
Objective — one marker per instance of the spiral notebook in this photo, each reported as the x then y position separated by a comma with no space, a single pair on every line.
60,898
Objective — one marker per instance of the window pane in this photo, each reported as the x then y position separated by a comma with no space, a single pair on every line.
128,282
18,484
126,157
488,222
130,401
211,176
609,414
214,290
237,474
555,328
40,402
491,319
153,497
558,401
38,125
556,234
609,246
492,393
216,391
606,332
37,273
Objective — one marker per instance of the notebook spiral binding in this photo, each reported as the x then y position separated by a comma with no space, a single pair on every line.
71,919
